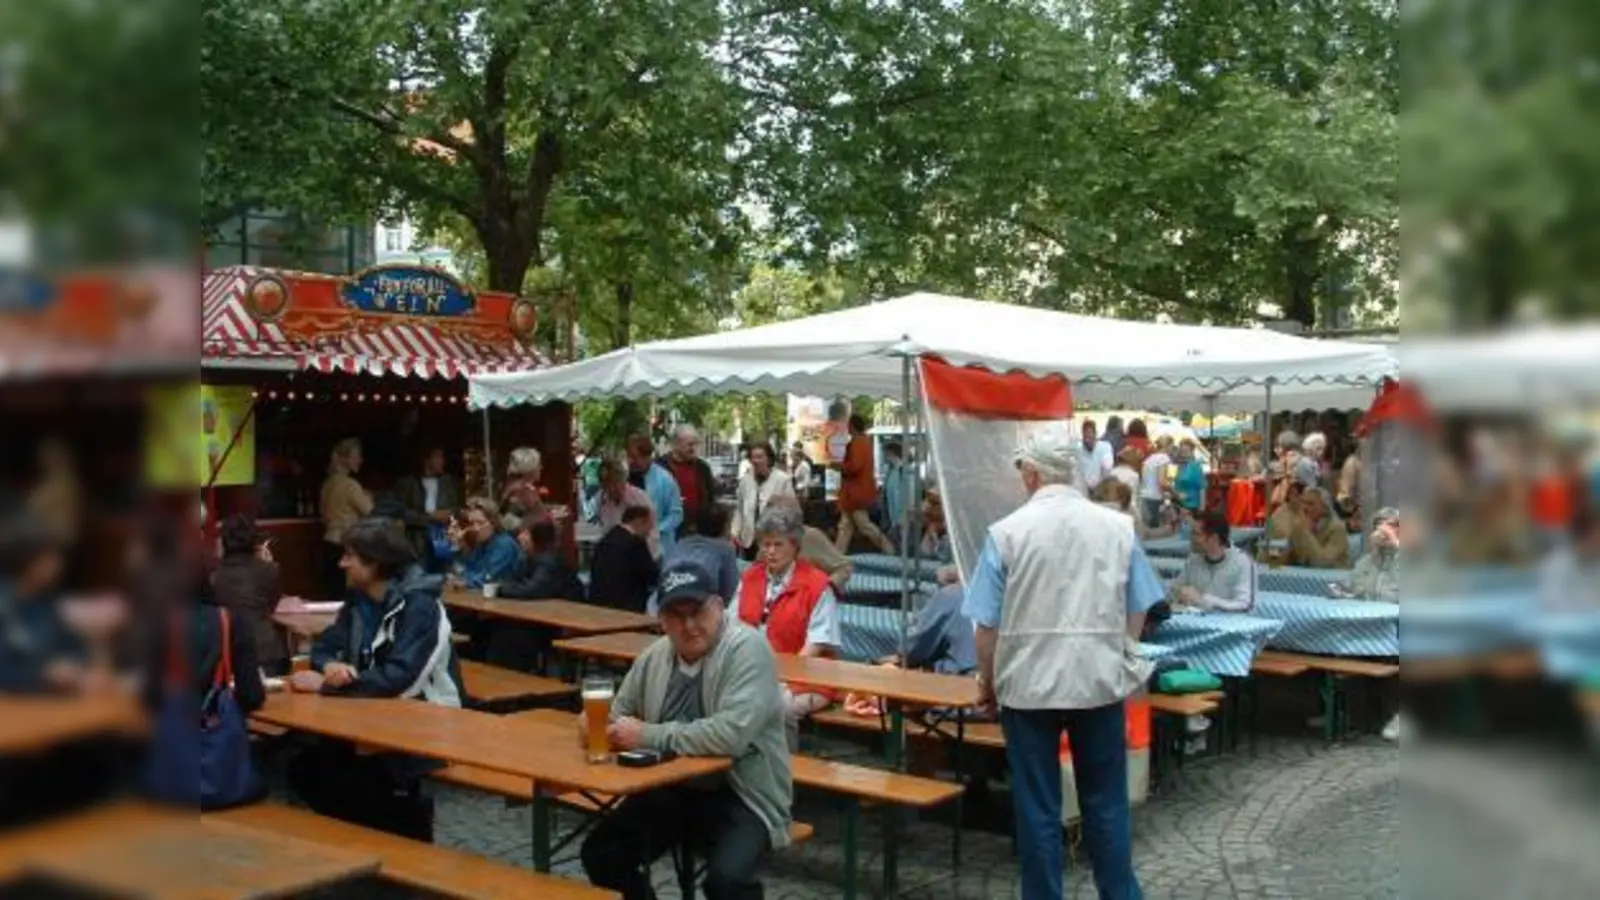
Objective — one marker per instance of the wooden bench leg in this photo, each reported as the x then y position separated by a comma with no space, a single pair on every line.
852,830
541,831
891,850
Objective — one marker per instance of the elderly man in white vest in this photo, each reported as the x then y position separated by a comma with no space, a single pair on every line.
1058,597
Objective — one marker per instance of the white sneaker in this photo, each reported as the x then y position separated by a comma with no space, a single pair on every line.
1197,724
1398,730
1196,745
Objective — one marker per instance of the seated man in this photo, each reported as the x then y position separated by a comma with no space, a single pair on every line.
792,602
1217,575
707,544
1377,572
622,573
709,688
941,638
390,639
543,575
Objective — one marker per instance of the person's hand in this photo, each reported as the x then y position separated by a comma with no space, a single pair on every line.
1385,536
986,700
1189,595
307,682
338,674
99,681
64,675
626,733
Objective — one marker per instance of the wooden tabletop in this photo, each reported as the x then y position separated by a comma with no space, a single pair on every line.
30,724
617,647
140,852
920,688
564,615
547,755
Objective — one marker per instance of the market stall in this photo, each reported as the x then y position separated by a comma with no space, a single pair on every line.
294,362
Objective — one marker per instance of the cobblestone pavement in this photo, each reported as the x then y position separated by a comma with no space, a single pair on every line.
1299,819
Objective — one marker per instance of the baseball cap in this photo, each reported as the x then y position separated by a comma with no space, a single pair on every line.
1051,448
686,581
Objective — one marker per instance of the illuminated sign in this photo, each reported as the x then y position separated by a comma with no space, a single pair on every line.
409,291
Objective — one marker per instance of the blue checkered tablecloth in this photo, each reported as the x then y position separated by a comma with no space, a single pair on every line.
1467,624
873,632
1219,643
1300,580
885,564
873,584
1330,627
1569,644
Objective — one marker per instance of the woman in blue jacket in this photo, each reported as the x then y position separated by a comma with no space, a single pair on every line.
390,639
488,554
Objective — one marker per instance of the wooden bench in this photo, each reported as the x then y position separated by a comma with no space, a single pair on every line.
1334,671
442,870
1280,668
493,686
859,785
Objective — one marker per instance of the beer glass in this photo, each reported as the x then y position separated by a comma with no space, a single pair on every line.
597,694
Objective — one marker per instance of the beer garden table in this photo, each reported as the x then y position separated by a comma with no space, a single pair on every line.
562,615
551,758
899,687
31,724
130,849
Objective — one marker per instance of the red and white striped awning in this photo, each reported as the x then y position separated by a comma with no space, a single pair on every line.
405,347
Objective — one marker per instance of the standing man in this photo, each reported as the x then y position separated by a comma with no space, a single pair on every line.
1095,460
430,498
693,476
1058,598
658,485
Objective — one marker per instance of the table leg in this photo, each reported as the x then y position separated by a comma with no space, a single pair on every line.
1330,710
852,828
961,778
891,850
897,733
541,831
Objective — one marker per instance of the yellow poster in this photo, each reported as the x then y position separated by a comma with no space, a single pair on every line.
173,458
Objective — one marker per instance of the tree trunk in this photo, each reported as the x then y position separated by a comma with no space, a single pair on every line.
1498,251
509,258
1302,272
630,416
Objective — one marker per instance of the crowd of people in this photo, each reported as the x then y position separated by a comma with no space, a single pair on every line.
1048,621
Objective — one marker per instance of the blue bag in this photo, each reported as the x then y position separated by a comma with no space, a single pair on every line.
201,760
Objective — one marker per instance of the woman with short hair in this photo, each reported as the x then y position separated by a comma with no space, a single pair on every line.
521,496
792,602
488,555
757,489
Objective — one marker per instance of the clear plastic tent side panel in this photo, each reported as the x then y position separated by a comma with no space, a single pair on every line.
976,475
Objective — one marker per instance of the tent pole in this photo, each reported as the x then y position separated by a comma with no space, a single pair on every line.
905,511
488,457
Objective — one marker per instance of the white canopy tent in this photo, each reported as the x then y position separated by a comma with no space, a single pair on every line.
1541,369
863,351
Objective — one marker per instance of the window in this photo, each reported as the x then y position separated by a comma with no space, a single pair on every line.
392,242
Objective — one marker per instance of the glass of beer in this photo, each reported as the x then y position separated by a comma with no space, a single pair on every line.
597,694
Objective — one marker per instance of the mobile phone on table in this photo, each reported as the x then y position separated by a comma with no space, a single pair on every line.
643,759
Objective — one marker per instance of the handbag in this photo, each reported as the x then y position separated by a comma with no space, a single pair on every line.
201,760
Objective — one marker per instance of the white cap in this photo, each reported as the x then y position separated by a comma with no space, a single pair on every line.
1052,449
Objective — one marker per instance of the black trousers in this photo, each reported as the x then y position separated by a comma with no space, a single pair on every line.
719,827
337,782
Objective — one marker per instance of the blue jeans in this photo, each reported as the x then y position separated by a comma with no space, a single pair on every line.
1100,765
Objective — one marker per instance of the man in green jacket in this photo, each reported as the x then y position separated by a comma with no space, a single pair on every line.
708,688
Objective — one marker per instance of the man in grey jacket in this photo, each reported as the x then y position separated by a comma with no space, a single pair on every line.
709,688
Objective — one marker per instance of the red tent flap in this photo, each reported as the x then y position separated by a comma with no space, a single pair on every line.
993,395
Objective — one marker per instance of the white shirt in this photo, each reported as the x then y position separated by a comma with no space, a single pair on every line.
430,493
824,628
753,498
1228,585
1150,477
801,476
1127,476
1094,464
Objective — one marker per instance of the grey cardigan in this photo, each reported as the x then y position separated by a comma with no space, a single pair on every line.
744,704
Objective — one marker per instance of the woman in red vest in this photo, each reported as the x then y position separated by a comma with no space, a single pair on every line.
792,602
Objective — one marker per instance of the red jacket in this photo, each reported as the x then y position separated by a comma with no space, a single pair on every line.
790,616
858,486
